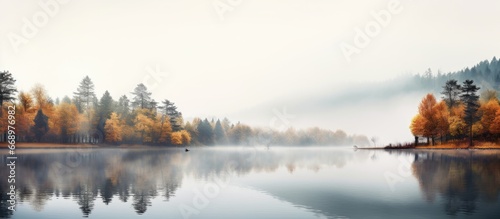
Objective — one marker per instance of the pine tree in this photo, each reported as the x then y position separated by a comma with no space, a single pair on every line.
123,107
66,100
105,110
85,95
220,134
168,108
153,106
41,126
451,93
205,133
7,89
470,99
142,97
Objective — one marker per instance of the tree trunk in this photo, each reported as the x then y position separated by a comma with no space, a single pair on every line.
470,136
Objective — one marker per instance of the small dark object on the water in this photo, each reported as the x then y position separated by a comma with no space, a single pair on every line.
187,150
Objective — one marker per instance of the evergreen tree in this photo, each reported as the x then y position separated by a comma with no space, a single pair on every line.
168,108
470,99
142,97
7,89
219,133
105,110
226,124
66,99
152,106
123,106
41,126
78,103
205,133
84,95
451,93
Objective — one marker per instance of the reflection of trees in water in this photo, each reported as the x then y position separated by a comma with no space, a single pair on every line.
141,200
4,205
108,190
85,198
460,178
141,175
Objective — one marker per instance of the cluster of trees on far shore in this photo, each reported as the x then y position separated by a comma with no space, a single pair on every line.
217,132
85,118
461,114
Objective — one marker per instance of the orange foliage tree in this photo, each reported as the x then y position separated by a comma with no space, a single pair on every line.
176,138
113,129
426,109
442,118
65,121
488,111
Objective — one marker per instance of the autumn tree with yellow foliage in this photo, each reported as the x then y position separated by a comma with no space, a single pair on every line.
458,118
113,129
426,123
83,119
176,138
488,112
65,121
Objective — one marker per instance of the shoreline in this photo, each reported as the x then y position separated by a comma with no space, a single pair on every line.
436,147
31,145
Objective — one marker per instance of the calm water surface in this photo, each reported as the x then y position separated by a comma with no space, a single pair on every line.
253,182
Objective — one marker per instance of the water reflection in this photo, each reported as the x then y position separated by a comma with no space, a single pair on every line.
138,176
460,178
450,182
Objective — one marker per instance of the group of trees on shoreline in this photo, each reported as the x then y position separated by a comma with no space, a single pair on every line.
84,118
222,132
87,119
461,113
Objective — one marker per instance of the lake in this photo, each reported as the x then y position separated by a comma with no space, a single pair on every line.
253,182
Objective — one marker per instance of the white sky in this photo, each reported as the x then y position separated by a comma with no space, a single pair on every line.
262,51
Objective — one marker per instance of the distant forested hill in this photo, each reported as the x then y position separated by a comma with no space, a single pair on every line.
486,74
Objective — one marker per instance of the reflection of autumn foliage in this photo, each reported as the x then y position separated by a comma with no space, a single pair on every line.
138,176
461,178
